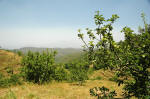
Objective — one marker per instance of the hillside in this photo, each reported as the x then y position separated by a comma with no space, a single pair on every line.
53,90
9,61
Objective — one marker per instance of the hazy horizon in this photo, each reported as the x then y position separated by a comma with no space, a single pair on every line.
43,48
54,23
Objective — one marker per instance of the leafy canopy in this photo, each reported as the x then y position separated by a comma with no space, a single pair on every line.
129,58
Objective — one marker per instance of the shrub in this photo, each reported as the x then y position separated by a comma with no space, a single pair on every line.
39,67
61,74
14,79
78,73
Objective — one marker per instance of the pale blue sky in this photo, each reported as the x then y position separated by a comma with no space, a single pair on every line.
54,23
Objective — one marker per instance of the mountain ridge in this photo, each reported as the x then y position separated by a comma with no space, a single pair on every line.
63,54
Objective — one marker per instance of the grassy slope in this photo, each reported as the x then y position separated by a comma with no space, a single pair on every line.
58,90
9,59
53,90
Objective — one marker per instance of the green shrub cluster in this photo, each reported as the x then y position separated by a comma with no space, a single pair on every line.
78,71
14,79
41,67
38,67
61,74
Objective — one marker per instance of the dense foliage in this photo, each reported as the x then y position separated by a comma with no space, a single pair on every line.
14,79
135,62
129,58
61,73
78,71
39,67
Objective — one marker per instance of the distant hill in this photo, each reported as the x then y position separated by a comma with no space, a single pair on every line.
63,54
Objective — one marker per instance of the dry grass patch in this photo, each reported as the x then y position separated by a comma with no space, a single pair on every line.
61,90
9,60
104,74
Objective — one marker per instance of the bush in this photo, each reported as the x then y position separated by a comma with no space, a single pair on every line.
2,80
39,67
9,81
61,74
78,72
15,79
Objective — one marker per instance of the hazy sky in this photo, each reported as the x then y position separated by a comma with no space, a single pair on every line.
54,23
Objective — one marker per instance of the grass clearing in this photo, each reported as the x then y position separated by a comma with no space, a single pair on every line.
56,90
